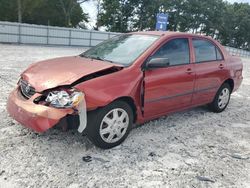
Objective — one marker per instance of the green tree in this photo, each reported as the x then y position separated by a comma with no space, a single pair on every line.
116,15
145,14
8,10
70,8
213,19
235,26
67,13
229,23
177,20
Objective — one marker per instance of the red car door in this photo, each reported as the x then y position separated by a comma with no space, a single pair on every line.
171,88
209,68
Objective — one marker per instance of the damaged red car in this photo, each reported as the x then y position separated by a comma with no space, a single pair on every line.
129,79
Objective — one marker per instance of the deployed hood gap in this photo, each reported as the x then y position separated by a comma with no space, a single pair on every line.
96,75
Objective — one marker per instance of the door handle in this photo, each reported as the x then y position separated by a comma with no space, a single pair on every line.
189,71
221,66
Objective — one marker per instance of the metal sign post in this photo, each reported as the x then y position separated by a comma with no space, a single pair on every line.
162,22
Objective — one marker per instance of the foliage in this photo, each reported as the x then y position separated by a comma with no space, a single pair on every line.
8,10
229,23
235,26
66,13
116,15
226,22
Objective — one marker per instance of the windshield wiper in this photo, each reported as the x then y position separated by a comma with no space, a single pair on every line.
83,55
102,59
98,58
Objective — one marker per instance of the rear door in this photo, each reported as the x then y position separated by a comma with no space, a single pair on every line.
171,88
209,68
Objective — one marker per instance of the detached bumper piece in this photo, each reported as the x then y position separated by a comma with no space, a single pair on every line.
38,117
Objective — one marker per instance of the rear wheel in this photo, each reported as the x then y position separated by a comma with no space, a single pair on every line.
110,125
221,99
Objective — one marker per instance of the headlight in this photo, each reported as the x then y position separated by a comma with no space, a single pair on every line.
64,99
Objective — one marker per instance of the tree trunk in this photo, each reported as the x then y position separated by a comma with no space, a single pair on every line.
19,7
98,6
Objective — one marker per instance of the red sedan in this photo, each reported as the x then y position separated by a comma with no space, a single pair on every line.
129,79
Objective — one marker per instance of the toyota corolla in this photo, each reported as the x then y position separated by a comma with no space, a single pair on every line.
129,79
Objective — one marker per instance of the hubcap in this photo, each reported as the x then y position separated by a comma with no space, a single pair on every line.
223,98
114,125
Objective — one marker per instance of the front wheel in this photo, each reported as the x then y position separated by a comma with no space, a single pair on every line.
110,125
221,99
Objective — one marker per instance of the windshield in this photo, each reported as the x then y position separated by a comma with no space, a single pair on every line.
123,49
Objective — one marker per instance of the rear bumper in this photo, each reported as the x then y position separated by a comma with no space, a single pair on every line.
34,116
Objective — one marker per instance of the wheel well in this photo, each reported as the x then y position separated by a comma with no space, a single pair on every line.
231,83
131,103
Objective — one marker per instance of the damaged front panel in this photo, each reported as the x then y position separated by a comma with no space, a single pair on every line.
52,99
44,75
82,113
70,99
40,116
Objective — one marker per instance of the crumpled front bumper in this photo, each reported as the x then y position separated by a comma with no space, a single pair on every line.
34,116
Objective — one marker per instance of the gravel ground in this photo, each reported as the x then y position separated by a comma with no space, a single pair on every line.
195,148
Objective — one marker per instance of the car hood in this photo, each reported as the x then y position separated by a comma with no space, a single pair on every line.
62,71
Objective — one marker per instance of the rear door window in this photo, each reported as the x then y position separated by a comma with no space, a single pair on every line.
206,51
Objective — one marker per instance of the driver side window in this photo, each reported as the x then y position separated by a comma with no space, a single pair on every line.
176,50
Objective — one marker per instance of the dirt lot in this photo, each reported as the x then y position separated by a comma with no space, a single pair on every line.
180,150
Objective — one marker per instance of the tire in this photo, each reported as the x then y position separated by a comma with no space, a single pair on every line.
220,103
109,126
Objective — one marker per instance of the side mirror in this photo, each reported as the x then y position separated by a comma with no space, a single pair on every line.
156,63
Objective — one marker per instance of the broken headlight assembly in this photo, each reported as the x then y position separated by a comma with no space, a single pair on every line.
64,98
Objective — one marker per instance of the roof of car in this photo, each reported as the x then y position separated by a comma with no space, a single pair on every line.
167,33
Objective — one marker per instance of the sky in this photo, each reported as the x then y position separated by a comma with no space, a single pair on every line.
90,8
239,1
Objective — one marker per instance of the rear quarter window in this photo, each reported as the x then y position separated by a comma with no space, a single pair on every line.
218,54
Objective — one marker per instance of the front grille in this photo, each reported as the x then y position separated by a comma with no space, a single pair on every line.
26,89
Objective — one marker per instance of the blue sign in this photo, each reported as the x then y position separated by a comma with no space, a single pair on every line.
162,22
